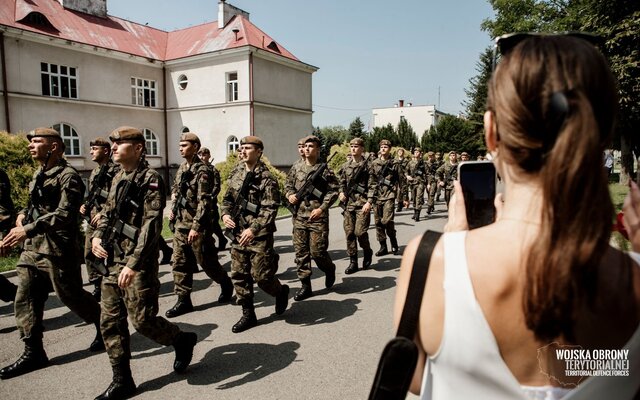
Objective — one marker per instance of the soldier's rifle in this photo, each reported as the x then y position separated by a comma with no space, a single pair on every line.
419,172
309,188
97,190
181,202
33,207
241,205
355,187
382,179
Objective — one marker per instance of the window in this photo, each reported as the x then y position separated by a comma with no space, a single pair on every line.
233,144
151,142
183,81
232,86
59,80
70,138
143,92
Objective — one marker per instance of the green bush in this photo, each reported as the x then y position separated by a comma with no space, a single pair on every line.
16,161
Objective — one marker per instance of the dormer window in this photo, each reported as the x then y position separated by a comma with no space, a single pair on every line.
38,20
273,46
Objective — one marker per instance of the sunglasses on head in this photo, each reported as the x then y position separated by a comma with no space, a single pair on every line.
505,43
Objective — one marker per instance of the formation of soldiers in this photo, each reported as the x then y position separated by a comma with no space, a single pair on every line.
124,214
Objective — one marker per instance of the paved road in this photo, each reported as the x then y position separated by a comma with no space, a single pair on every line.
326,347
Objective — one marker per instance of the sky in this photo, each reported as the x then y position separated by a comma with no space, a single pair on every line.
370,53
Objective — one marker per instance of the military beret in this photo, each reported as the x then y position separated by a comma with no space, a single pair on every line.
100,141
43,132
204,150
126,133
190,137
302,141
312,139
430,153
464,153
356,142
437,153
385,142
252,140
417,149
452,152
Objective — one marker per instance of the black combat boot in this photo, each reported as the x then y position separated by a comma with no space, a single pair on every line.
282,299
226,290
330,277
184,344
7,290
394,245
122,385
416,215
305,291
383,249
182,306
399,207
353,265
98,343
167,252
97,291
33,358
247,321
222,242
368,257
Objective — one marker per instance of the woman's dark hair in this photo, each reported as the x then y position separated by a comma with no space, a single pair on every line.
554,100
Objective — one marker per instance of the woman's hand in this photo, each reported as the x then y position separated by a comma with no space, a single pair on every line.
631,208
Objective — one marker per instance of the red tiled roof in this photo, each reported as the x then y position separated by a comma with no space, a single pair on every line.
132,38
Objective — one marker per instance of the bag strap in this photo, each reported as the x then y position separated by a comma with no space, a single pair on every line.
411,310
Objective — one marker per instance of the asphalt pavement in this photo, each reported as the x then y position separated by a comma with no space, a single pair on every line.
325,347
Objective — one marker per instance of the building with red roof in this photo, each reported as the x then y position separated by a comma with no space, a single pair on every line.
70,65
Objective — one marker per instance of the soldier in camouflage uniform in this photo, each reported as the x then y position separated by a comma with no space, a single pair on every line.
7,220
252,223
385,169
357,197
439,163
193,244
98,191
446,174
205,155
401,191
132,286
432,182
417,175
311,220
295,168
51,258
464,156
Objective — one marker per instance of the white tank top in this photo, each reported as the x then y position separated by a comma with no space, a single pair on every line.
468,364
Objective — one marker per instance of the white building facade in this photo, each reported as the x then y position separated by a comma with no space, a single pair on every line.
421,118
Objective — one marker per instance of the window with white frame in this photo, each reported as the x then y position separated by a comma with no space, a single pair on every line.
59,80
143,92
70,138
233,144
153,148
232,86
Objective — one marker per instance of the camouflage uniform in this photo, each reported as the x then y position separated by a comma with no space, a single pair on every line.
7,289
100,200
51,256
402,193
140,299
197,189
416,170
447,173
256,261
384,210
431,168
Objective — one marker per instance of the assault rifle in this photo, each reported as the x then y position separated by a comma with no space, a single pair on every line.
241,205
420,168
309,187
127,199
97,190
33,207
181,200
382,180
358,188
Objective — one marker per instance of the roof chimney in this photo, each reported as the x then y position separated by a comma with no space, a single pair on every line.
96,8
400,103
227,11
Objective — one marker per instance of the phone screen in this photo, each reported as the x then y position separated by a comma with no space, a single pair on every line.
478,181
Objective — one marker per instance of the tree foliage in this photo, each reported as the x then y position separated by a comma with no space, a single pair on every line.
356,129
372,142
453,133
406,136
16,161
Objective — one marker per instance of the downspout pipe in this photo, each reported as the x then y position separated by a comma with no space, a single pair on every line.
251,106
5,89
166,129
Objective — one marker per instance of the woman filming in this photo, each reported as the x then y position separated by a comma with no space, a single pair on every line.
503,302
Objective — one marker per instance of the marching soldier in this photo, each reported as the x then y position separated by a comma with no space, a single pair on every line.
99,186
465,156
386,170
50,259
311,219
446,174
357,190
401,191
295,168
192,216
439,163
249,209
7,289
205,155
432,182
416,175
130,225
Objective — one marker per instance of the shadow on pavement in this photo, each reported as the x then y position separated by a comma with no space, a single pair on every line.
140,343
314,312
363,284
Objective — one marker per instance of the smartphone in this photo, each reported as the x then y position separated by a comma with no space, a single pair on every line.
478,181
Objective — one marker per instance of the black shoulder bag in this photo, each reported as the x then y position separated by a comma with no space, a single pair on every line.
400,356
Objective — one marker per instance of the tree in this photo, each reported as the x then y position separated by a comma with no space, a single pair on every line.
330,136
406,136
386,132
16,161
356,129
453,133
477,92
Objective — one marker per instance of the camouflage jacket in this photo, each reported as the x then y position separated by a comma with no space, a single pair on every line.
431,168
103,192
55,231
216,183
417,170
6,205
141,253
386,185
363,190
194,183
263,192
328,185
447,173
292,174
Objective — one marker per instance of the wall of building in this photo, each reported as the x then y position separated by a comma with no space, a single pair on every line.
280,131
279,84
419,117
